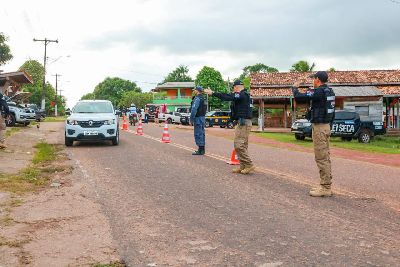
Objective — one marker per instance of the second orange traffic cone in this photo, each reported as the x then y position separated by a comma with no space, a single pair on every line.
166,137
234,158
139,130
124,124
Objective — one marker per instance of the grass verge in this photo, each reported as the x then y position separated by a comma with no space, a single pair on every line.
380,144
36,175
55,119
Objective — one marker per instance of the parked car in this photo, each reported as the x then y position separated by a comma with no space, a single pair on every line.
19,115
40,114
171,117
219,118
92,120
347,125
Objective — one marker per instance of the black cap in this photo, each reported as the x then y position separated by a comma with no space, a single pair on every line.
321,75
237,82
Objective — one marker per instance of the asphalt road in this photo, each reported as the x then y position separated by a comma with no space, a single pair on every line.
168,208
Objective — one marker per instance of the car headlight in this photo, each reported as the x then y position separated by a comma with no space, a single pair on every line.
72,122
307,124
109,122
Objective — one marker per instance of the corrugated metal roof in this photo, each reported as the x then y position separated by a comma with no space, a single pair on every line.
176,85
18,76
356,91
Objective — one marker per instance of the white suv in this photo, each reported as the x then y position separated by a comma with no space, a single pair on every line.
92,120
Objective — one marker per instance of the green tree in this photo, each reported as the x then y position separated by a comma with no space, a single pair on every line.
209,77
139,99
113,89
256,68
302,66
36,71
332,69
5,52
180,74
88,96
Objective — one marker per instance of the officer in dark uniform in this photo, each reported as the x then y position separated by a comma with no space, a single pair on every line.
3,112
321,114
241,112
198,112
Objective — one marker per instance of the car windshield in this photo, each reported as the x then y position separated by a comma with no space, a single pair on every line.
210,113
93,107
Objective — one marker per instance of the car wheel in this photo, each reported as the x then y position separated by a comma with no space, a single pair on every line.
207,124
230,125
115,140
299,137
169,121
222,126
10,120
364,137
68,141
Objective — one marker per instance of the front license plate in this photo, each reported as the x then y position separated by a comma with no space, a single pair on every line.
90,133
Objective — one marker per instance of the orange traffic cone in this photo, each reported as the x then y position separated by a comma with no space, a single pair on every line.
234,158
139,130
165,137
124,124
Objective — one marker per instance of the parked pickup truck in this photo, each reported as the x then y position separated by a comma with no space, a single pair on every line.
347,125
19,114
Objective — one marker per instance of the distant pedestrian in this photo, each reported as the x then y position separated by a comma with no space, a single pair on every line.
321,114
241,113
156,114
198,120
3,113
146,115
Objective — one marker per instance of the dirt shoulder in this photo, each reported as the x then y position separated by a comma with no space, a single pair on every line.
59,223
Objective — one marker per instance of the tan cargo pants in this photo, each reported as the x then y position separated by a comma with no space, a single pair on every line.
241,143
2,129
321,134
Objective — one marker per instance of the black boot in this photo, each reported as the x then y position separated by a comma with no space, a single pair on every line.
200,151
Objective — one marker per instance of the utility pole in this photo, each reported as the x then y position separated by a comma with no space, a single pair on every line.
46,42
55,106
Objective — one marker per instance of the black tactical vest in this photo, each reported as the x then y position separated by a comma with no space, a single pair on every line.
242,108
202,110
323,105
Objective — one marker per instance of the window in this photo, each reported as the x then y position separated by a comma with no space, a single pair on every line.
362,110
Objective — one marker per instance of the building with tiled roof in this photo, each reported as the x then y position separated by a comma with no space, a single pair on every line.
352,88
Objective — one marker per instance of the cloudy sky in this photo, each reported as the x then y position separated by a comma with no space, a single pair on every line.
143,40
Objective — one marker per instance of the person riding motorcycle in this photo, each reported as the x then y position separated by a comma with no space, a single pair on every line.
132,114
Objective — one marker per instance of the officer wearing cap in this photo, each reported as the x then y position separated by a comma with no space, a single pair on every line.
241,112
198,120
321,114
